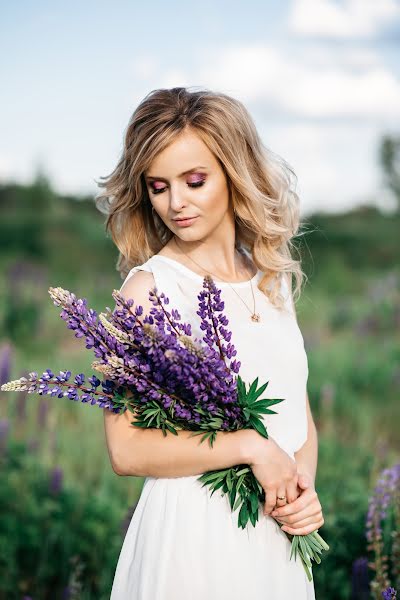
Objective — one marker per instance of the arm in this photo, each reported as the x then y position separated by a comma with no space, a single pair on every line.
147,452
307,457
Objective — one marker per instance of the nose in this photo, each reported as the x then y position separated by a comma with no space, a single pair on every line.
177,198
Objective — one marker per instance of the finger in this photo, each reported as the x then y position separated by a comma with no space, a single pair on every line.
281,493
304,481
292,519
301,521
303,530
270,501
307,512
292,492
294,507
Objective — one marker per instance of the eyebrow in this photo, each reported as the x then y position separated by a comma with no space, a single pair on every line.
181,175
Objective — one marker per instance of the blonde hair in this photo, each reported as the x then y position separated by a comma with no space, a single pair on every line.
265,205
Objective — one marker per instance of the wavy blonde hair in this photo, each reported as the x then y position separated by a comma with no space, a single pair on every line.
265,204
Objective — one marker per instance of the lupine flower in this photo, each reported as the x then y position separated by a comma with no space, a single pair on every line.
5,362
389,594
73,591
156,369
56,478
66,593
384,506
360,580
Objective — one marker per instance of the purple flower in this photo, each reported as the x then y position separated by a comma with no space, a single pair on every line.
5,362
359,580
66,593
383,499
56,478
389,594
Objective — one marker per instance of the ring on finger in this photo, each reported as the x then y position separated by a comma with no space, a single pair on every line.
281,497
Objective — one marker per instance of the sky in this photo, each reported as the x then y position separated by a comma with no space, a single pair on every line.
319,77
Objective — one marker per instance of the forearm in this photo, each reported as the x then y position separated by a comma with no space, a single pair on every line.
148,453
307,457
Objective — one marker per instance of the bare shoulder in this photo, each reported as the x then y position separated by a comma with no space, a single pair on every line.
117,426
137,288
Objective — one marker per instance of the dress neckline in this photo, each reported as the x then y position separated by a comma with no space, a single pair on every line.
200,278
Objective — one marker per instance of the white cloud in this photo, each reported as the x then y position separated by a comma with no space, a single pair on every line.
291,85
331,108
336,166
350,19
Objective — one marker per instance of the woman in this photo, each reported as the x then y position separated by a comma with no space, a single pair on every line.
195,192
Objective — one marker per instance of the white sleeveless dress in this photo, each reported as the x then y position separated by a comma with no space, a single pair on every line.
181,543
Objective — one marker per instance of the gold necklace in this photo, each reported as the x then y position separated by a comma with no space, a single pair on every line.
254,316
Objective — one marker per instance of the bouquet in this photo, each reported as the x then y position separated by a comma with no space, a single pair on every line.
172,381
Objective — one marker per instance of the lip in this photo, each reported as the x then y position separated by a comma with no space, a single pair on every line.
185,222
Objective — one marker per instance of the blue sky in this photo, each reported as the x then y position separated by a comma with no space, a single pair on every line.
320,78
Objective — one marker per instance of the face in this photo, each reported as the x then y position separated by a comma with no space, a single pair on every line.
186,180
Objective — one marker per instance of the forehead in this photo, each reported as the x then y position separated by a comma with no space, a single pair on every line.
187,151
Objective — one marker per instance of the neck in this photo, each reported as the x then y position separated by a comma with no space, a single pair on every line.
229,263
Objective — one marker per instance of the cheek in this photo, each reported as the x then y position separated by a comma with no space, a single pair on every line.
214,200
160,207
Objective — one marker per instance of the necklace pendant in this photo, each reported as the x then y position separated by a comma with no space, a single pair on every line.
255,317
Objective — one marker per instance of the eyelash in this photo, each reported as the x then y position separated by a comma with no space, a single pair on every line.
192,185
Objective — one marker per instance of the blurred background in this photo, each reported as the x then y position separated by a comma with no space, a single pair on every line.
321,80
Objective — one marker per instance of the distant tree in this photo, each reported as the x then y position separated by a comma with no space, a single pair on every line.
389,157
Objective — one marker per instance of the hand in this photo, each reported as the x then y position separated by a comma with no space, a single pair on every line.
275,470
304,515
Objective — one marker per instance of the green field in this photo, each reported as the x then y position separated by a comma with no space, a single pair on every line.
63,510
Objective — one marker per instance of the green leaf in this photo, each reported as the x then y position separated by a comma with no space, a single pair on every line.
303,549
217,486
232,495
254,502
171,429
313,543
317,558
240,481
268,402
253,387
238,502
194,433
241,388
243,515
259,426
253,518
229,480
261,389
245,470
293,548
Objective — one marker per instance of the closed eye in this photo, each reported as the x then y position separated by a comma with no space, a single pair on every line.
156,191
